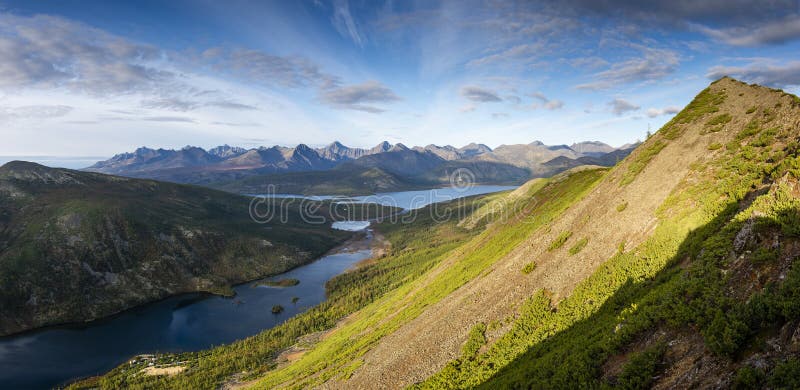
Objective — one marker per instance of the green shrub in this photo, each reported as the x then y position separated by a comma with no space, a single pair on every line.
748,378
642,367
715,146
751,110
559,241
786,375
475,340
578,246
528,268
622,206
719,120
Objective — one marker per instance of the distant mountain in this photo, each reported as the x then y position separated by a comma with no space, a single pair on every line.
226,151
473,150
337,152
76,246
447,152
593,148
224,166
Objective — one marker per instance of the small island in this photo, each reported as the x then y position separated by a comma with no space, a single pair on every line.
278,283
277,309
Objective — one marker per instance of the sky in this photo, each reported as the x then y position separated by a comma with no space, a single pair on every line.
96,78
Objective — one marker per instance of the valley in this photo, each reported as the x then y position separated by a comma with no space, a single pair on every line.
548,296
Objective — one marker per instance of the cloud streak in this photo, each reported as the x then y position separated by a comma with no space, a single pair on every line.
654,64
766,72
360,97
480,95
622,106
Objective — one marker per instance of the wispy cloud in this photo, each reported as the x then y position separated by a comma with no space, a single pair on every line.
360,97
179,119
10,113
345,24
656,112
546,103
763,71
654,64
622,106
480,95
771,32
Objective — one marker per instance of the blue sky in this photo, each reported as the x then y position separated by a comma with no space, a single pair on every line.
99,78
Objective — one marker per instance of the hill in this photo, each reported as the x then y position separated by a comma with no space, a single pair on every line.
76,246
675,268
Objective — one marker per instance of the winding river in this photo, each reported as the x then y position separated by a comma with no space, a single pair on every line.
51,356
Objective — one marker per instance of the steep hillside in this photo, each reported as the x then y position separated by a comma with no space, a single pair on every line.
76,246
676,270
675,265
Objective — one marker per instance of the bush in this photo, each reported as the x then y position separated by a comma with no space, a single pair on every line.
638,373
528,268
622,206
786,375
715,146
748,378
559,241
578,246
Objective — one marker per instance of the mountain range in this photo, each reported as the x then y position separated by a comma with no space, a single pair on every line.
383,167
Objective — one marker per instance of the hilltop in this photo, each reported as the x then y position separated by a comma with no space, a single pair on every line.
76,246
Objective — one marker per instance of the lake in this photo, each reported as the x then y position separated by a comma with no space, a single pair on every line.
51,356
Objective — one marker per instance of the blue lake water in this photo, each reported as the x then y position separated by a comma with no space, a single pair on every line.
51,356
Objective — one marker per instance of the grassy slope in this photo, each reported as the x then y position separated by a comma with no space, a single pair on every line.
687,277
338,355
92,245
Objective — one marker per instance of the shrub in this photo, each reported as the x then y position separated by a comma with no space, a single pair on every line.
475,340
640,370
559,241
277,309
786,375
719,119
715,146
528,268
751,110
622,206
748,378
578,246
